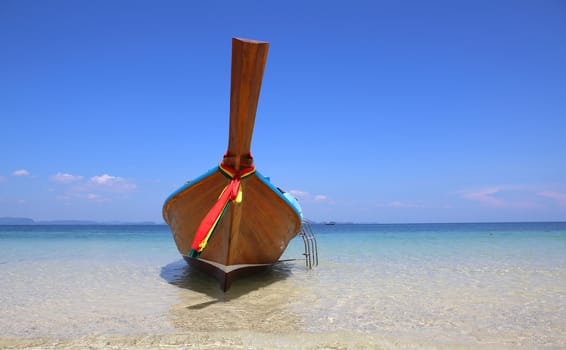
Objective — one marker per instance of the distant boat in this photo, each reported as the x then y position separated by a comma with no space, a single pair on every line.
232,221
330,223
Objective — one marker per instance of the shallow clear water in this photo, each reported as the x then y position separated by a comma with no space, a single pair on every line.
377,286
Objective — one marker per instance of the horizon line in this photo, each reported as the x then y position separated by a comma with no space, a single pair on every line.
7,221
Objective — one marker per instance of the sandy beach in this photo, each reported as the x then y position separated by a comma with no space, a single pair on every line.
227,340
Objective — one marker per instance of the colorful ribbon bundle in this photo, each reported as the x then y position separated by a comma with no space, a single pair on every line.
231,193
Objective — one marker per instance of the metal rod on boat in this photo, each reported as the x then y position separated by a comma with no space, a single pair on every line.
309,241
307,246
312,239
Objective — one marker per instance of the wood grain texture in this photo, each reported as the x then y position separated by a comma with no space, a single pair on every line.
258,229
248,64
266,226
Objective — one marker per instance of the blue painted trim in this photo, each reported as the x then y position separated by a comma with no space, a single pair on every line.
192,182
296,206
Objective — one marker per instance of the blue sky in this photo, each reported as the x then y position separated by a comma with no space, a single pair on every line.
377,111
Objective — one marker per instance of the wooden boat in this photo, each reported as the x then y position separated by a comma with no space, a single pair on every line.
232,221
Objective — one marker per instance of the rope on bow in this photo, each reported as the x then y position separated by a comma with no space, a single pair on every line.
231,193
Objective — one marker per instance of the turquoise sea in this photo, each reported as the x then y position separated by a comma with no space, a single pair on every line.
399,286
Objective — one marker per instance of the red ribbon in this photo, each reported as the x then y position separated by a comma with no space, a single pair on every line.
211,219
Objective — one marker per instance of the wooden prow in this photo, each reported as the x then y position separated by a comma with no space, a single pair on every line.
253,229
248,63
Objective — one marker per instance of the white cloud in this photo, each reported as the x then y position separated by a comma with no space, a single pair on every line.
93,197
80,194
505,196
560,197
97,189
65,178
486,196
20,172
306,196
104,179
299,194
112,183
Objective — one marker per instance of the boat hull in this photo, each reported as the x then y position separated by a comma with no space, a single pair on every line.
225,275
251,233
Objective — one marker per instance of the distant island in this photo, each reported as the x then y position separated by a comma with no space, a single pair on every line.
29,221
